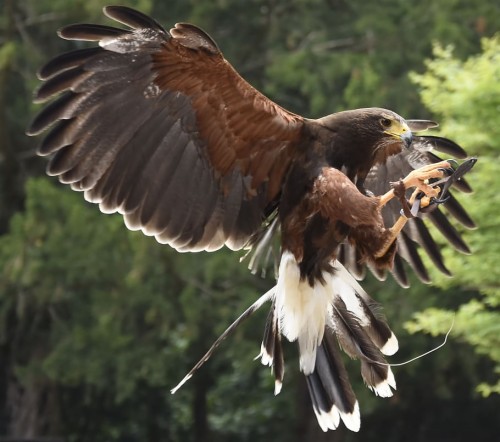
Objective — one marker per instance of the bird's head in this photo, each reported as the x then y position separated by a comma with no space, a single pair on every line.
370,134
384,132
396,128
392,134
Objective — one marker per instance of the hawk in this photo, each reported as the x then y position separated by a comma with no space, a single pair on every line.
158,126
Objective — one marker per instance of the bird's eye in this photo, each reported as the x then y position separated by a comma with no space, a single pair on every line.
385,122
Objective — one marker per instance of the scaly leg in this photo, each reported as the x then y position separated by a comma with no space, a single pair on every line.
415,179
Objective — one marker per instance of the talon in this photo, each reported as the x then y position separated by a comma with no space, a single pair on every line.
418,178
427,195
430,200
448,171
426,180
442,200
454,176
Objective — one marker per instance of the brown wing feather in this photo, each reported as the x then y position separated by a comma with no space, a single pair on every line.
241,127
158,126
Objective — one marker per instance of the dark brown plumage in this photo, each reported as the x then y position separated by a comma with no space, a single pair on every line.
158,126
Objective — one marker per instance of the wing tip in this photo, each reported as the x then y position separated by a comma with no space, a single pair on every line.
194,37
131,17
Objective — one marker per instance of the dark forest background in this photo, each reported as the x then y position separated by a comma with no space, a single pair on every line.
98,323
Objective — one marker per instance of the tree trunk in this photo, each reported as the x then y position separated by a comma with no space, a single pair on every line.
11,193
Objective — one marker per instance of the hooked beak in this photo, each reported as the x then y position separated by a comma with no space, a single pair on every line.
407,138
401,131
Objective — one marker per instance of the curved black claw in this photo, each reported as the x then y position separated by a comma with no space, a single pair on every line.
457,174
453,175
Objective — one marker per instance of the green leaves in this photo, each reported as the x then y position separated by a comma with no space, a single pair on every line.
466,97
90,307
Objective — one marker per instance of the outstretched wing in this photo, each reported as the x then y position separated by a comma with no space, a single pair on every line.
415,234
158,126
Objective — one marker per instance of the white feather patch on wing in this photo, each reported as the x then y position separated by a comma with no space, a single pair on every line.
302,310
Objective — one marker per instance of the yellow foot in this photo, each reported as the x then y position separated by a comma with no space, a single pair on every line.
419,178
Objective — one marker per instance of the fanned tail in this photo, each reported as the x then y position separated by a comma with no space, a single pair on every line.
334,309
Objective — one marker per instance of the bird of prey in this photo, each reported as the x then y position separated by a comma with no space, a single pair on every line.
158,126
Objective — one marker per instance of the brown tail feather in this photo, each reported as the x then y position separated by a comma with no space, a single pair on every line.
357,343
271,351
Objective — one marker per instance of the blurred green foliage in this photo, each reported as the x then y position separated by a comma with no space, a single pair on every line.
98,323
466,96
